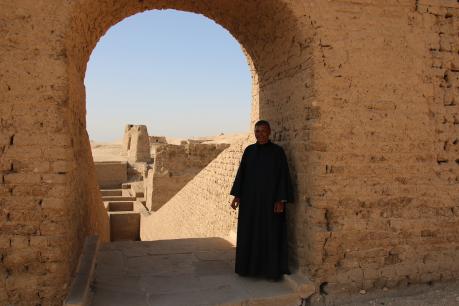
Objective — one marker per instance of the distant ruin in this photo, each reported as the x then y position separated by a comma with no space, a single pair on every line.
153,167
136,143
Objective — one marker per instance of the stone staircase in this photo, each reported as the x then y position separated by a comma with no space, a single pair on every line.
124,208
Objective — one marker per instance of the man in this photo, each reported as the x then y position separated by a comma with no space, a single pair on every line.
261,188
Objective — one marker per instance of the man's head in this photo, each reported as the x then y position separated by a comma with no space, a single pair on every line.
262,131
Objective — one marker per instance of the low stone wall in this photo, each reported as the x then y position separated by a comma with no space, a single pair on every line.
174,167
111,174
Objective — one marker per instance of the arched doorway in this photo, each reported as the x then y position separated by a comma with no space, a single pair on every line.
180,74
271,34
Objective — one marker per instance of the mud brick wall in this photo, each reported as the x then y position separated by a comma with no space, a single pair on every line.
380,191
362,95
202,206
46,207
442,22
174,167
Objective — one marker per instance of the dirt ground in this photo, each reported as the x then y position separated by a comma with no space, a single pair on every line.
439,294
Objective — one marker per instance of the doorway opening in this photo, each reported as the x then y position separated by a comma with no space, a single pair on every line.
180,77
274,37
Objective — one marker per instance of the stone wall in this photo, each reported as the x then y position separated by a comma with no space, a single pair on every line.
362,95
174,167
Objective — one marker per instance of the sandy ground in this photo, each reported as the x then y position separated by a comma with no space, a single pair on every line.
106,152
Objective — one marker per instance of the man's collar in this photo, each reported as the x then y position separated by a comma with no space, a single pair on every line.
262,144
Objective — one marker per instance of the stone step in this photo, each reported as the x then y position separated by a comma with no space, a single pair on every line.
118,198
121,206
111,192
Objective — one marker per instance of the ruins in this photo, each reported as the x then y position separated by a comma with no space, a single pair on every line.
153,168
136,143
148,173
362,94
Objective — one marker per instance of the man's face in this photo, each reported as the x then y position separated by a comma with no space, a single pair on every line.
262,133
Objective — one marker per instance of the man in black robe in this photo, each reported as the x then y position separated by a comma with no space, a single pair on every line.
261,188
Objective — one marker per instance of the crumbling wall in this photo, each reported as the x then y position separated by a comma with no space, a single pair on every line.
126,145
174,167
378,184
158,140
136,144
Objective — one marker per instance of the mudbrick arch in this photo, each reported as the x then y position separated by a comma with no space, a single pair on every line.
362,95
273,34
276,37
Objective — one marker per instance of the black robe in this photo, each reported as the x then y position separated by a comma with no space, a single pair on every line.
262,179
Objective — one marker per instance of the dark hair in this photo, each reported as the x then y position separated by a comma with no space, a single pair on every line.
263,122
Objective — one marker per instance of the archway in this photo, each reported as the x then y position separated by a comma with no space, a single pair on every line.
273,36
179,73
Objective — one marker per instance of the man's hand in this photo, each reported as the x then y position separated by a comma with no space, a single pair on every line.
235,203
279,207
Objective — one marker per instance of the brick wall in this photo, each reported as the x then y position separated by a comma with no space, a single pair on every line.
380,196
45,211
174,167
201,208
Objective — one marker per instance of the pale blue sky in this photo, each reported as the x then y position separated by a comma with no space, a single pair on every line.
179,73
